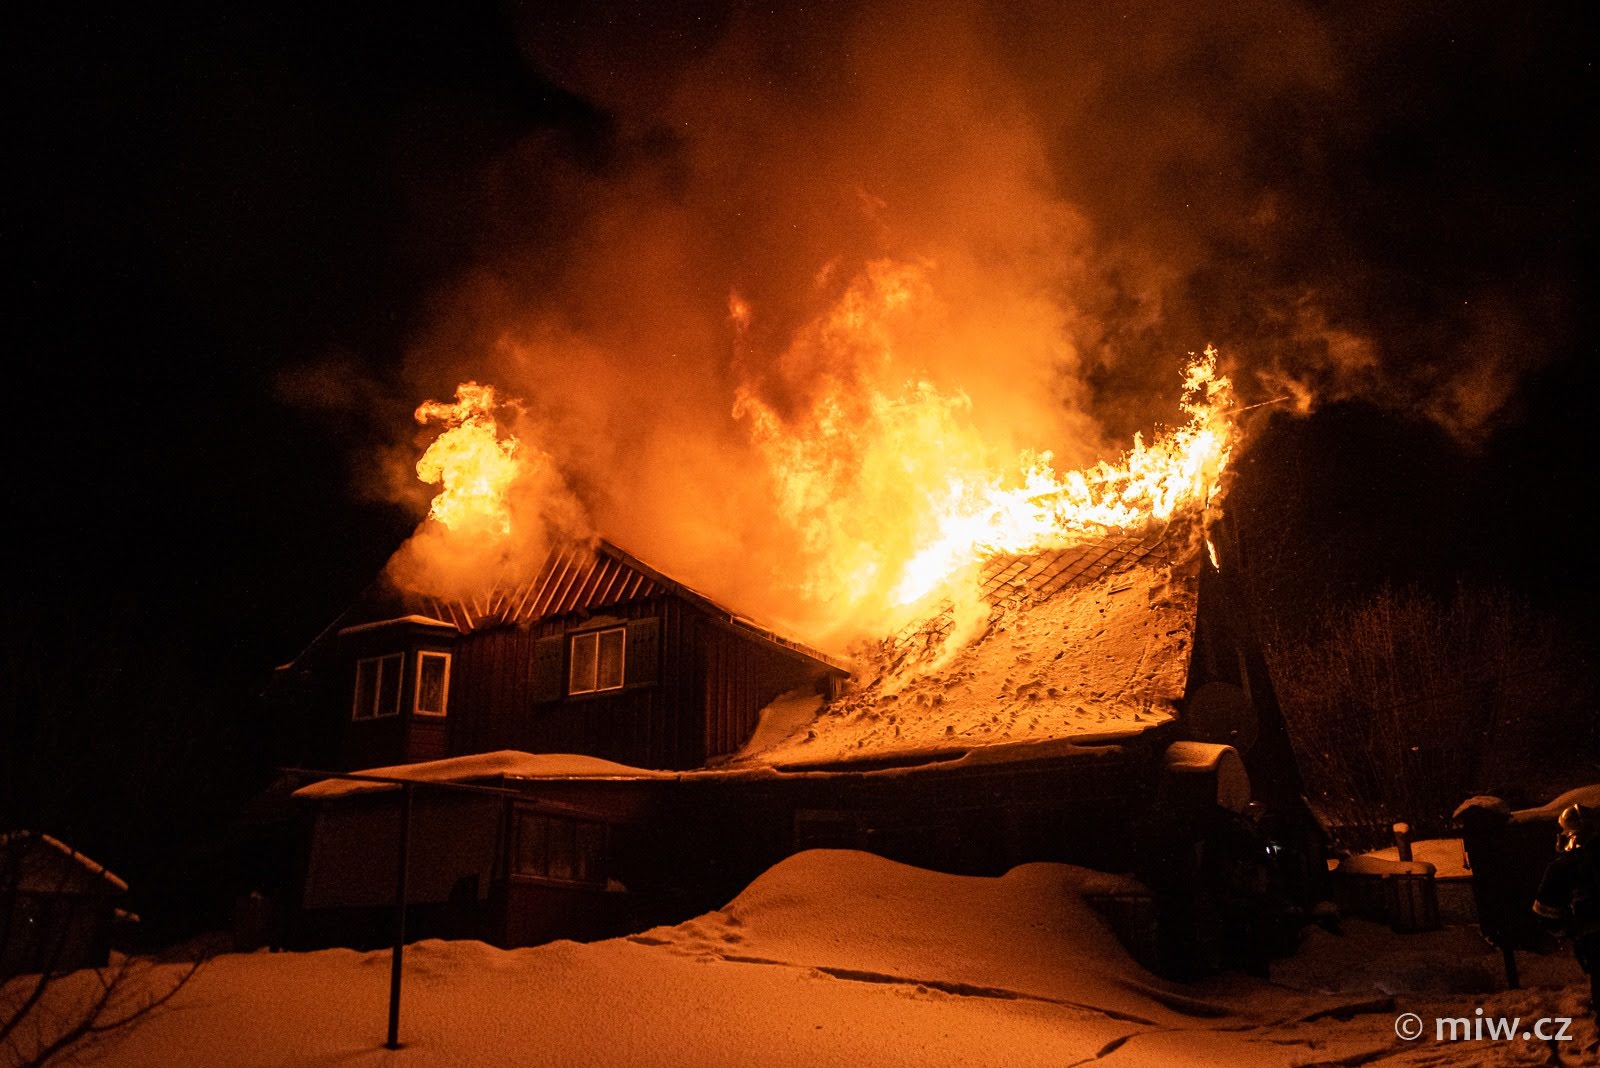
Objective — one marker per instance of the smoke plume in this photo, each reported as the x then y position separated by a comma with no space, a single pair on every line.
1029,213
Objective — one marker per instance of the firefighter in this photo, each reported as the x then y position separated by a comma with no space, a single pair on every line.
1569,895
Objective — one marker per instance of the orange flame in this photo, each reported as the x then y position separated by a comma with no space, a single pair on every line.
895,494
470,461
1039,508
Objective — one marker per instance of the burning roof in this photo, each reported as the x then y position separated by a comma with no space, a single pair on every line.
1075,643
573,577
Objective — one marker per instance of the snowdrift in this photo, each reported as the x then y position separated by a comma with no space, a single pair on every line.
830,958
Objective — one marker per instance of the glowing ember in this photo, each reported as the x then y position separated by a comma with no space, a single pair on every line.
470,461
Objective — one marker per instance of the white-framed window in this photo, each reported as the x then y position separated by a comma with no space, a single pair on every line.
377,691
433,684
595,662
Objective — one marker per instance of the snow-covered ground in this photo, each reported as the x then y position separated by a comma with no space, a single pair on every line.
841,958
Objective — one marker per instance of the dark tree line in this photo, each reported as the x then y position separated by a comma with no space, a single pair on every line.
1423,620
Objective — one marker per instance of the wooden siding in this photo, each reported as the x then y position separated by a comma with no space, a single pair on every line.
711,681
741,676
654,725
396,739
696,679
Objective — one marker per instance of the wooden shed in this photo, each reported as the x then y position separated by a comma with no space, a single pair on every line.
57,906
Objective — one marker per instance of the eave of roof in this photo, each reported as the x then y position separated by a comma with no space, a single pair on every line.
415,620
85,863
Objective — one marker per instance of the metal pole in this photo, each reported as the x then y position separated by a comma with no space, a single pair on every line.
399,916
1509,955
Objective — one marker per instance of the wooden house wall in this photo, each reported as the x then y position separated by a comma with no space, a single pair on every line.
981,820
700,699
494,691
742,675
371,742
384,740
712,680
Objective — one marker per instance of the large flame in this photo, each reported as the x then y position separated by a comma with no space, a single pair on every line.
889,494
977,515
894,494
471,462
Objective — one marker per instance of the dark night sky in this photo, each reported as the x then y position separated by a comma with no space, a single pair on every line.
204,200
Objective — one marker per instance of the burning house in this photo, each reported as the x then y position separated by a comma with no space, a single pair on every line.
601,747
652,753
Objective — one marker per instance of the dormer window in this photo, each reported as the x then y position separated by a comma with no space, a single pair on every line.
596,660
433,683
377,691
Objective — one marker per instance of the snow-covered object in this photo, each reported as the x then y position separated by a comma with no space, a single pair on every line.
47,865
1207,758
1484,804
1370,864
1446,855
1104,656
1587,796
1549,812
502,763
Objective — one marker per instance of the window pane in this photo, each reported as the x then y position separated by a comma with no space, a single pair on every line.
432,671
583,663
389,685
589,864
532,852
366,688
609,673
561,848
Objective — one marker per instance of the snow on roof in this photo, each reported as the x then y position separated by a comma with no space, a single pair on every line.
505,763
1549,812
1093,639
1481,803
1587,796
419,620
34,879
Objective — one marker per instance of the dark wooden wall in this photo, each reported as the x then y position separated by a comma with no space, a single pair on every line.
385,740
741,675
711,680
494,701
694,689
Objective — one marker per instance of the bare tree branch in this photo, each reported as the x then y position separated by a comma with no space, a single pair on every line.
45,1013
